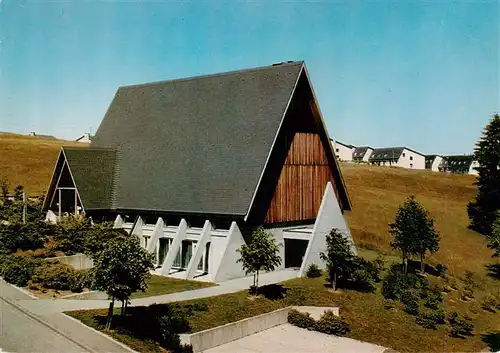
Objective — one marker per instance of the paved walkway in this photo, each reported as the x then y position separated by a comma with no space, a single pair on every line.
49,306
24,331
290,339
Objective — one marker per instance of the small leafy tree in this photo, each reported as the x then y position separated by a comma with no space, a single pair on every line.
122,268
261,254
338,255
482,210
413,231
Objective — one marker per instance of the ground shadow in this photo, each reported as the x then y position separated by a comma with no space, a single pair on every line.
414,266
493,270
492,339
273,291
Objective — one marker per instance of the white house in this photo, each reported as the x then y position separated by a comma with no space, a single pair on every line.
343,152
432,162
398,157
85,138
362,154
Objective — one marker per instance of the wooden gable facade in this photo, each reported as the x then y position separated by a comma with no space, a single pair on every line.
301,164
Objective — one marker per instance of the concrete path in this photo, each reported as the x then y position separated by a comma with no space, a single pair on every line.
24,331
48,306
290,339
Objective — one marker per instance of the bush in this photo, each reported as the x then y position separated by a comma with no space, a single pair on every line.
460,326
430,321
81,279
19,236
54,275
313,271
302,320
490,303
441,270
410,300
331,324
396,284
18,269
434,298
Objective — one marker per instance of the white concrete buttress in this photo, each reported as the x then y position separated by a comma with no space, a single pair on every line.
180,235
200,250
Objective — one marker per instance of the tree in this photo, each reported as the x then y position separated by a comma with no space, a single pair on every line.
261,254
338,255
482,210
413,231
494,236
122,268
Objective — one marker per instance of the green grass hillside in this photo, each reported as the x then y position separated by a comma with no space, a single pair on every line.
376,192
29,160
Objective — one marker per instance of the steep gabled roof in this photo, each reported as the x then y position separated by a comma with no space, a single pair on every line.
196,145
93,173
191,146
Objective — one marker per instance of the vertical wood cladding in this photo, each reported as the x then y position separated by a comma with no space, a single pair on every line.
302,181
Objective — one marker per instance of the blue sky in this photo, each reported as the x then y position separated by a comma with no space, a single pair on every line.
424,74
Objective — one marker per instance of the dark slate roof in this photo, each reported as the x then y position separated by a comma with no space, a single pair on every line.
359,152
457,162
386,154
93,172
344,144
196,145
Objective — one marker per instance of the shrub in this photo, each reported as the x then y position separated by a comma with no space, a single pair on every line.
302,320
426,322
18,269
81,279
54,275
431,320
396,284
331,324
441,270
460,326
490,303
313,271
410,300
19,236
434,298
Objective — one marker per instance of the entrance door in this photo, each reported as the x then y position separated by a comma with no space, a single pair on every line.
295,250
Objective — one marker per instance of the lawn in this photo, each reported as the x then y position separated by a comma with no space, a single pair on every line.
160,285
157,285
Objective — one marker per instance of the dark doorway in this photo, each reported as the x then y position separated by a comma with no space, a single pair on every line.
295,250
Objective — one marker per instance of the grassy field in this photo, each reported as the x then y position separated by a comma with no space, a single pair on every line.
29,160
376,192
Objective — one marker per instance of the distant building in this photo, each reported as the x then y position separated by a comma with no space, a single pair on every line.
85,138
459,164
343,152
50,137
432,162
398,157
362,154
